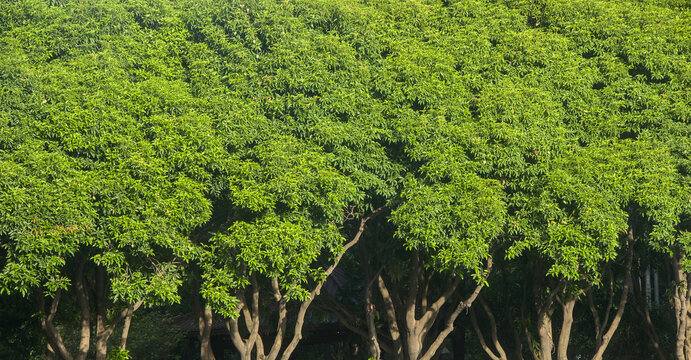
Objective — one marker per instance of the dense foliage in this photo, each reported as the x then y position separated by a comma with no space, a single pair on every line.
411,169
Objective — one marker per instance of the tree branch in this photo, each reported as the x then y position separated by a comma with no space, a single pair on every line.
282,320
622,301
299,322
390,315
463,305
480,337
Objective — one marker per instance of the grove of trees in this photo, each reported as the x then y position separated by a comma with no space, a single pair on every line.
504,179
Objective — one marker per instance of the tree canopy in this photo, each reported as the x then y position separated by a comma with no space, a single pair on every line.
444,157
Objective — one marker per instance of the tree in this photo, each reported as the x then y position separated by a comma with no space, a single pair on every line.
103,167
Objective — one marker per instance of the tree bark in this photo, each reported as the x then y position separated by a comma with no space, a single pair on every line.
500,353
681,296
390,315
565,332
545,335
415,340
83,302
447,327
101,337
205,324
374,348
413,334
204,317
607,336
282,320
106,330
544,322
53,338
126,327
103,329
250,312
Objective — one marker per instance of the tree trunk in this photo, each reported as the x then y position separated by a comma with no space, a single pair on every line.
85,310
565,333
681,296
417,338
54,341
391,319
247,345
429,316
607,336
205,323
373,343
101,348
413,339
544,317
101,327
500,354
126,328
106,330
545,333
250,314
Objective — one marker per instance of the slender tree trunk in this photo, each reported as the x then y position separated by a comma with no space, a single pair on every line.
544,317
500,353
429,317
417,313
681,295
524,324
205,324
565,333
249,311
413,339
390,315
247,345
101,347
545,334
85,310
607,336
54,341
282,321
103,329
101,336
126,328
373,343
